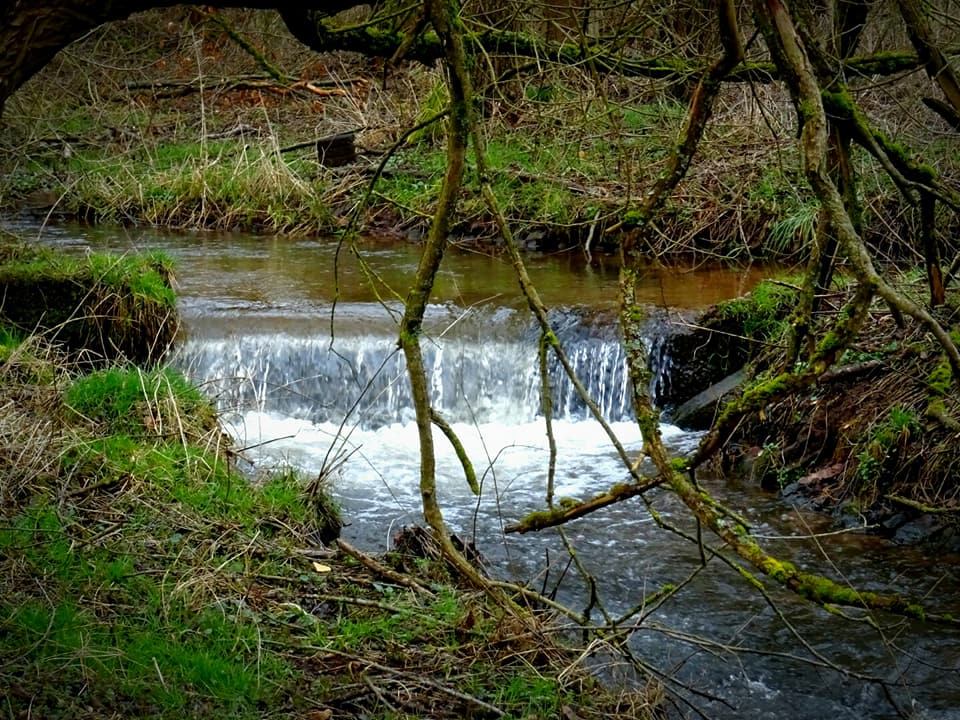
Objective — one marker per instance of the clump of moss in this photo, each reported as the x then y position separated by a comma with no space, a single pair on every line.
99,308
763,313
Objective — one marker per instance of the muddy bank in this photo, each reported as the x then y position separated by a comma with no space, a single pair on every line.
872,442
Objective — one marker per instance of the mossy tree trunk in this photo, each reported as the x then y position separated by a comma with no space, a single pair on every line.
938,66
443,16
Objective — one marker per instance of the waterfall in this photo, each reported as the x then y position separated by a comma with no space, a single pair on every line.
473,376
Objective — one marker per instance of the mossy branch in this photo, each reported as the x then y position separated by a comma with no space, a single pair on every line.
923,507
906,173
631,315
426,48
446,22
261,59
468,472
567,511
781,35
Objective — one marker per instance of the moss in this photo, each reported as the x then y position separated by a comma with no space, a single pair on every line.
680,465
649,425
633,219
940,379
620,489
763,312
780,570
839,102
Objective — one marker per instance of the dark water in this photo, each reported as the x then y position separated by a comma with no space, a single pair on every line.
316,383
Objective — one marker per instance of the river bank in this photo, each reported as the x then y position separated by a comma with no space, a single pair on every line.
872,441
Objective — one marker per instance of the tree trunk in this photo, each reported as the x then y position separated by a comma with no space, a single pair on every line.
938,67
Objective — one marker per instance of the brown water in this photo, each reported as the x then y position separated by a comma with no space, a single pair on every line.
258,312
289,271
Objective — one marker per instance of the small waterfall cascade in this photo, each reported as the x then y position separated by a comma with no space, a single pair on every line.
661,364
488,371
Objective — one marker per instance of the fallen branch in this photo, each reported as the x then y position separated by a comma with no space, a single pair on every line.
573,510
181,88
382,570
928,509
415,677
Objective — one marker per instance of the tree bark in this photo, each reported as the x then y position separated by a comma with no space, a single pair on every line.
936,63
32,33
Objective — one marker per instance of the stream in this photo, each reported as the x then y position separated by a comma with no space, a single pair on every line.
304,366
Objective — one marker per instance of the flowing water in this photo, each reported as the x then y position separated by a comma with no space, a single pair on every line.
304,364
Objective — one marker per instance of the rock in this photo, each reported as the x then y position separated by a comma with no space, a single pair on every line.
694,353
923,528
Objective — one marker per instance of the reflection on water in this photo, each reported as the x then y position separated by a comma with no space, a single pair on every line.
257,308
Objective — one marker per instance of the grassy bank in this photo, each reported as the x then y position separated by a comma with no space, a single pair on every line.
98,308
193,135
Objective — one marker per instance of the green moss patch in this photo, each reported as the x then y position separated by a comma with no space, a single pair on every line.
99,308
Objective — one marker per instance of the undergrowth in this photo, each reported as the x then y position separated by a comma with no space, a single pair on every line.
178,144
875,436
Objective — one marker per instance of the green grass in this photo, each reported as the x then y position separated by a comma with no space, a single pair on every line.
795,230
10,340
145,276
887,436
131,400
142,645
